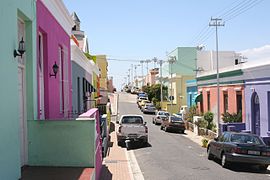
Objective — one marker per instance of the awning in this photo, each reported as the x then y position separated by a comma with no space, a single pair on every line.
198,98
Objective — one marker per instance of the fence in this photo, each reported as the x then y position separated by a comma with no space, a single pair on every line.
201,131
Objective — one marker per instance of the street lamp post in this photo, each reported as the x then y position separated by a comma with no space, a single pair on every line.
161,80
217,22
142,72
171,60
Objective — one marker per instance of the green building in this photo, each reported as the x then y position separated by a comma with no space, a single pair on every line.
18,84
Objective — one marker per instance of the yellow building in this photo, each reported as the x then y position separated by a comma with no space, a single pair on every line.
178,91
102,63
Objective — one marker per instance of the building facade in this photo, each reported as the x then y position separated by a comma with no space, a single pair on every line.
18,78
257,95
53,52
102,63
192,92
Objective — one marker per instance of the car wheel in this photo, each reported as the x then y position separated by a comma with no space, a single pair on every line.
224,162
161,127
165,129
119,143
263,167
209,154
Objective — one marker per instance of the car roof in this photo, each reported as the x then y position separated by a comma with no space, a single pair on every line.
126,115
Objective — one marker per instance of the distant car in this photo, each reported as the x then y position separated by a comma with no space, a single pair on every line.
233,147
139,100
133,128
149,108
143,102
161,115
173,123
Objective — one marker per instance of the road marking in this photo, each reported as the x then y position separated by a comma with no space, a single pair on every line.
133,166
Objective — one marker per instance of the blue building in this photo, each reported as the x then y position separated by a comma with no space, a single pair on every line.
192,92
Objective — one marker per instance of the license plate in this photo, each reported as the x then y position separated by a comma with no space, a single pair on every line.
254,152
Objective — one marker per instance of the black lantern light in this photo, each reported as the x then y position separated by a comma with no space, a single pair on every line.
21,49
55,70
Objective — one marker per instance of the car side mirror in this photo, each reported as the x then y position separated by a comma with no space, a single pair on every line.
117,122
216,138
144,123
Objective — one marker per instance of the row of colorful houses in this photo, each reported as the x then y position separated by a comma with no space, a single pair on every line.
244,86
47,73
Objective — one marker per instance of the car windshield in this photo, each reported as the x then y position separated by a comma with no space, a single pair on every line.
164,113
132,120
173,118
247,139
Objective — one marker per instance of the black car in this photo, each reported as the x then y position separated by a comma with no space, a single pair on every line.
234,147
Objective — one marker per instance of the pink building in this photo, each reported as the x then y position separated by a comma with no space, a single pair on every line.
231,99
151,76
54,26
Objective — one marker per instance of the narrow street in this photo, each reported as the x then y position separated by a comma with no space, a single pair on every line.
175,156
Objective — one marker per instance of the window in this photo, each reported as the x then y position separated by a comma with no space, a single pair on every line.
79,95
225,102
63,80
208,101
239,101
132,120
190,100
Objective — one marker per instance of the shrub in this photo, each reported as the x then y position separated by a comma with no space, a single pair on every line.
229,118
208,116
204,142
202,123
191,112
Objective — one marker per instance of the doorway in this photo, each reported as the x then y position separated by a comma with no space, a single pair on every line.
22,97
255,113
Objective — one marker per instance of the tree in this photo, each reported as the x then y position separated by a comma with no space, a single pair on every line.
153,91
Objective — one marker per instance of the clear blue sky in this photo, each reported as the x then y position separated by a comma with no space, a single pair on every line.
143,29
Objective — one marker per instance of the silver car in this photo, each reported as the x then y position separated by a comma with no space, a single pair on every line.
149,108
161,115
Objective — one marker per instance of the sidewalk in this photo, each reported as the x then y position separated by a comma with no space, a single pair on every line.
116,165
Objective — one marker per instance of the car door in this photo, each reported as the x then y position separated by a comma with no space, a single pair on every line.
216,145
224,145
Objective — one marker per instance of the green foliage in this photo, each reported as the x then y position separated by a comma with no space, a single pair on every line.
202,123
153,91
229,118
192,111
204,142
209,116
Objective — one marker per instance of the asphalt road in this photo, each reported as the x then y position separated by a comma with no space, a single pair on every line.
174,156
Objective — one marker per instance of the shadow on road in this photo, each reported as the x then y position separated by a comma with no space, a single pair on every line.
135,145
238,167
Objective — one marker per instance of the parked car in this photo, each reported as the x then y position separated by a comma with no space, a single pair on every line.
149,108
139,100
161,115
233,147
133,128
173,123
143,102
183,110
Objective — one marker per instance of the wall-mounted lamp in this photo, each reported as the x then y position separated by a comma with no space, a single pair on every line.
21,49
55,70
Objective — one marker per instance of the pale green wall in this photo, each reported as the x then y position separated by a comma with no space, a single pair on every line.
10,10
62,143
186,61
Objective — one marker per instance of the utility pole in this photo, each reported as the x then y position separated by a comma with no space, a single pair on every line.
142,72
216,22
128,76
147,61
131,75
161,80
171,60
155,61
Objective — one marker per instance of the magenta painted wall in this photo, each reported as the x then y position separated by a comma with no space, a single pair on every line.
54,36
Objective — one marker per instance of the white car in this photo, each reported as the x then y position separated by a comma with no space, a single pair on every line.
161,115
133,128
